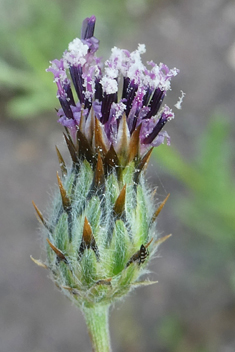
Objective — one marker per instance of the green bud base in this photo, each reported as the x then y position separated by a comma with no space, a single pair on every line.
100,235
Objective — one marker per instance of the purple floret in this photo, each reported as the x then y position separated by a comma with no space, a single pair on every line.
97,88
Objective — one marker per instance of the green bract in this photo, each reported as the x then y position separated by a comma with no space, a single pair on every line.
101,232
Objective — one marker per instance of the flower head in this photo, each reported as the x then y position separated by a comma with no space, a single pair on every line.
120,96
100,233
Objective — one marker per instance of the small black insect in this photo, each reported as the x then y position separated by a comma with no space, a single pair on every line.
143,254
140,256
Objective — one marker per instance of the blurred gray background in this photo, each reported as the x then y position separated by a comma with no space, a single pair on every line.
192,308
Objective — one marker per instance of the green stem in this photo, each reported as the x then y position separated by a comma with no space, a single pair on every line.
98,327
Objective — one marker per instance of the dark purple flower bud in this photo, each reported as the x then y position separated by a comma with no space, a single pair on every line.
66,108
155,103
98,90
108,100
130,95
78,81
88,27
166,115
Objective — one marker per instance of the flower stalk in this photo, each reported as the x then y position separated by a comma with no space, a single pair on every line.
97,320
100,232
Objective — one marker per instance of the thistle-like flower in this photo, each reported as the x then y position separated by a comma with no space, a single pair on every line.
100,234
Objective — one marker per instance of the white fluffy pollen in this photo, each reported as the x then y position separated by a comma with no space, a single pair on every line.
178,105
109,85
76,53
141,48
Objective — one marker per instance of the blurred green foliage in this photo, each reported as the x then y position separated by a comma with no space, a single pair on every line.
171,333
32,32
209,208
